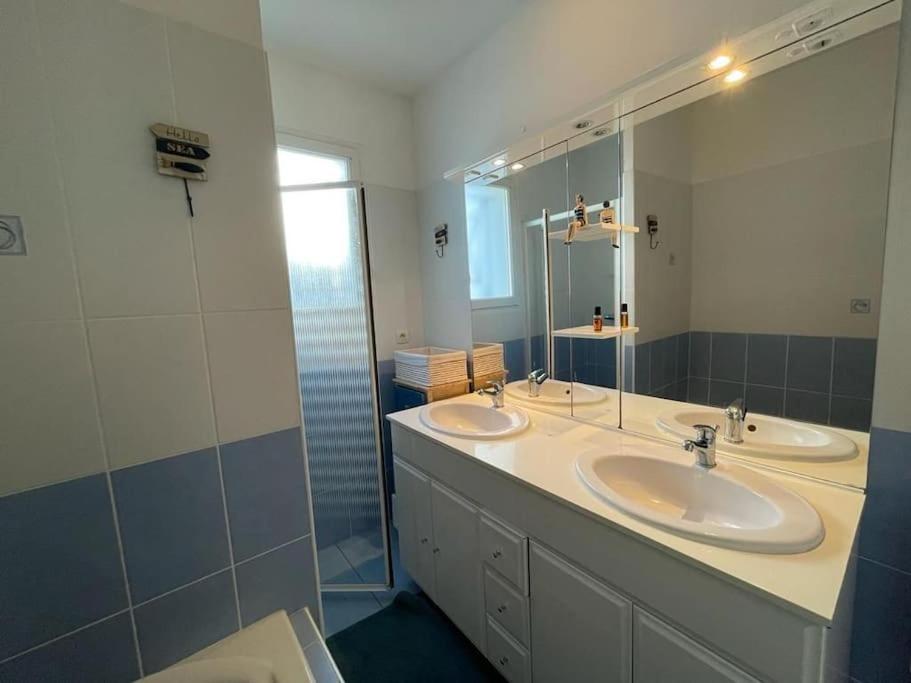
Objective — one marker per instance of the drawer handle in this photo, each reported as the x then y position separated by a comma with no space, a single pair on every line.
503,661
501,609
496,554
436,550
424,540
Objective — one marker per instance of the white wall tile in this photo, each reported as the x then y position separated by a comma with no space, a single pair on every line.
155,399
395,267
254,377
109,79
48,421
41,285
238,229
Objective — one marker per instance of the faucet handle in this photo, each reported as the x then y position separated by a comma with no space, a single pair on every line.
737,409
706,433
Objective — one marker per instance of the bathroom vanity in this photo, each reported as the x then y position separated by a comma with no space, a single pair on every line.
553,583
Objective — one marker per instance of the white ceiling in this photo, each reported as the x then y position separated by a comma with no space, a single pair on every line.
398,45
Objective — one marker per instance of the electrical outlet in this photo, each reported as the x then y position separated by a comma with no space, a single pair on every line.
860,306
401,337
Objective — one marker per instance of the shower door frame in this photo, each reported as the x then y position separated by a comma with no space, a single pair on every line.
361,195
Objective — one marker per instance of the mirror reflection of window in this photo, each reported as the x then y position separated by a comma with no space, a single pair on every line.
489,250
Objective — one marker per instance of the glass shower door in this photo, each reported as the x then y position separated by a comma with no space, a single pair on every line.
325,232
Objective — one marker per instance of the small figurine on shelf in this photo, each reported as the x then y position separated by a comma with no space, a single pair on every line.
580,212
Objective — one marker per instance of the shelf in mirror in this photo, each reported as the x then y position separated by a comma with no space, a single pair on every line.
586,332
594,231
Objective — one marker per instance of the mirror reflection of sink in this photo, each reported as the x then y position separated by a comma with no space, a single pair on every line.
729,506
473,420
764,437
555,392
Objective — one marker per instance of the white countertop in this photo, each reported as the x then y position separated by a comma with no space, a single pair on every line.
809,581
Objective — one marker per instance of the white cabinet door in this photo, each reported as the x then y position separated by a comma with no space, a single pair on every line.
580,628
459,583
662,654
415,525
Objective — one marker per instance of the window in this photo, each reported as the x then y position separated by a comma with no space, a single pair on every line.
489,248
310,215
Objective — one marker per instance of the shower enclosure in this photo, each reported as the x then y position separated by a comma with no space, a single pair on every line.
328,265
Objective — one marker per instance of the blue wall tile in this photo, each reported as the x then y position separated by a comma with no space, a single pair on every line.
728,356
766,357
807,406
765,400
266,491
881,638
683,355
700,354
172,521
178,624
281,579
514,359
854,367
698,390
102,652
886,525
643,368
851,413
663,362
809,363
61,567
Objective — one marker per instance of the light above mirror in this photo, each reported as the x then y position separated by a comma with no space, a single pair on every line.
518,166
720,62
735,76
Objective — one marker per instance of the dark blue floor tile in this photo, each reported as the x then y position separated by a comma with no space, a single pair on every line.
881,641
885,534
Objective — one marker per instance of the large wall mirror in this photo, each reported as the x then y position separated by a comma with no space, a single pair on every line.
744,238
760,288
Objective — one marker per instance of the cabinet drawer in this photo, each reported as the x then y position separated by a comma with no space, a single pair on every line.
510,658
506,606
506,551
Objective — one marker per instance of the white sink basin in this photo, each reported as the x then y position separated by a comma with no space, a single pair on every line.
729,506
764,437
474,421
555,392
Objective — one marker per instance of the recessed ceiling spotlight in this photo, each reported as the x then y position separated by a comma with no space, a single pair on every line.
499,162
582,125
735,76
472,173
601,132
720,62
491,176
517,166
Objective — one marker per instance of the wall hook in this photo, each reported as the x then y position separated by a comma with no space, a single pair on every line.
652,222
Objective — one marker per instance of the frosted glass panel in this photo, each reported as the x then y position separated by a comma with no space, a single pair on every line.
489,257
335,360
296,167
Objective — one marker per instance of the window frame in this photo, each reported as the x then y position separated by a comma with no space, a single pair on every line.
300,143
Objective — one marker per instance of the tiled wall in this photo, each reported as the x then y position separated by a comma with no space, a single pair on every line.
826,380
153,492
881,648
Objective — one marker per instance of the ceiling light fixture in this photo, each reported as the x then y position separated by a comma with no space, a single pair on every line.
582,125
499,162
601,132
735,76
517,166
720,62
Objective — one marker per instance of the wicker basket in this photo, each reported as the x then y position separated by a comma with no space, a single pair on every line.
429,366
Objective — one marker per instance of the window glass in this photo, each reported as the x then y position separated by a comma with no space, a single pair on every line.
489,257
299,167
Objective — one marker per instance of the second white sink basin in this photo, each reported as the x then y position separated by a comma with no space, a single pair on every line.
555,392
729,506
764,437
474,421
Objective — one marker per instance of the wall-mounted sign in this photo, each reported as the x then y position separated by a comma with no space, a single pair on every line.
180,152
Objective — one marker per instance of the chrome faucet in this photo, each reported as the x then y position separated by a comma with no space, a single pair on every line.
495,391
703,445
535,379
734,417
